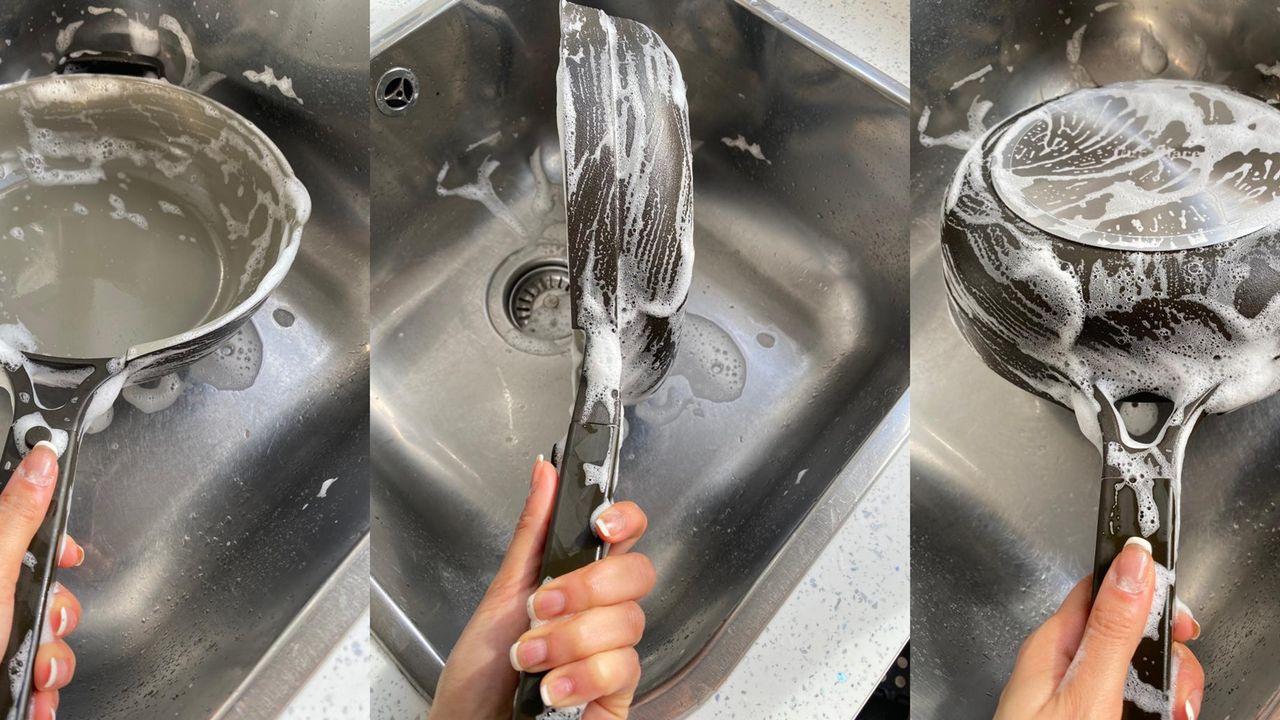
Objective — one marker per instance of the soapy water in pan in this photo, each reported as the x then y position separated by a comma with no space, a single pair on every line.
102,267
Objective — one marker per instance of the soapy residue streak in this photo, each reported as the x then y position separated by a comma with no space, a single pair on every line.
268,77
975,75
1269,70
324,487
753,149
960,139
481,191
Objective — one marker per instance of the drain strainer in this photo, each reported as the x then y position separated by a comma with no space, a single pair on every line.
397,91
539,302
528,300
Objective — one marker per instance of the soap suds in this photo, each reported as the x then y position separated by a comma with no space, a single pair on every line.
267,77
740,143
960,139
975,75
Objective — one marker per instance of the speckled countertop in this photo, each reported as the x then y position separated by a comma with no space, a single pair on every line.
811,660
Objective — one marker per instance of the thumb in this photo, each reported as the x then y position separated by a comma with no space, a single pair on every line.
23,505
520,567
1115,626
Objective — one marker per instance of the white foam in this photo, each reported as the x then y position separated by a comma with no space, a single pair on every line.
267,77
740,143
960,139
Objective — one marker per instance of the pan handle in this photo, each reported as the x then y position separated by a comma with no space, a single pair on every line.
571,541
40,413
1139,498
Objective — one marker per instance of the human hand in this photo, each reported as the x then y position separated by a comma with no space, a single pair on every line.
1076,663
592,622
23,505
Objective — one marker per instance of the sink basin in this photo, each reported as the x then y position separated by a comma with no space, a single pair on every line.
787,394
209,549
1004,487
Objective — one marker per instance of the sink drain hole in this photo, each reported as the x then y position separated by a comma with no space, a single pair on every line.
397,91
538,301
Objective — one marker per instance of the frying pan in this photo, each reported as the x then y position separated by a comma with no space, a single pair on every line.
1121,245
148,223
624,130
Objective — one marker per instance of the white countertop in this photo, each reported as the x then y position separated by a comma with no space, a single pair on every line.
811,661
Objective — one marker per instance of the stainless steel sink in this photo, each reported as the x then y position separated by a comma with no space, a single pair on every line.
1005,488
789,388
209,550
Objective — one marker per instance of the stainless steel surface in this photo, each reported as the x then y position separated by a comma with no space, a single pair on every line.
1004,488
799,287
206,539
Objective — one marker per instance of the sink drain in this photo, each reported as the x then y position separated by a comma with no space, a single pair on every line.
397,91
538,302
529,302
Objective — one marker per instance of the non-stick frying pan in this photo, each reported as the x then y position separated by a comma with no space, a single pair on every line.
1123,244
624,131
143,225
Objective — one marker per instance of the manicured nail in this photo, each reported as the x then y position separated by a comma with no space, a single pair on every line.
53,674
534,475
546,604
1193,704
513,655
529,653
555,691
611,524
61,630
40,469
1130,567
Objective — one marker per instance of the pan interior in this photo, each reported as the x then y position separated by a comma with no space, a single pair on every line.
132,212
1147,165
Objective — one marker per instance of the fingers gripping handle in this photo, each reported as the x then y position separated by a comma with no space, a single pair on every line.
587,471
1139,498
34,420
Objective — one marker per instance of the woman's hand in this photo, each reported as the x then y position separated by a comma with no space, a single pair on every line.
592,622
23,505
1076,663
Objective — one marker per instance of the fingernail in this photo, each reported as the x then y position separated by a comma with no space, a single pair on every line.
534,475
62,549
62,622
529,653
1193,704
53,674
611,524
1130,568
555,691
546,604
40,469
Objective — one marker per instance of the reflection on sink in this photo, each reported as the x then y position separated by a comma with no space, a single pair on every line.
204,531
1005,488
795,347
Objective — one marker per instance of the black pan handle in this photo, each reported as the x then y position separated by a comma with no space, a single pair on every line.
1126,465
58,410
586,482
